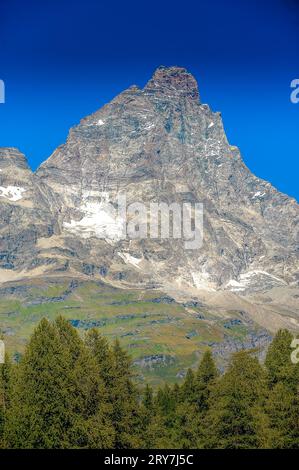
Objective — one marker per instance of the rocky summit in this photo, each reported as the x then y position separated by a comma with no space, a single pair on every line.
157,144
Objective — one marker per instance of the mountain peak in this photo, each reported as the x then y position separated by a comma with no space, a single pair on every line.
173,80
11,156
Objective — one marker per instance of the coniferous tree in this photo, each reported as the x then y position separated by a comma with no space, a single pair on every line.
207,370
282,408
55,399
92,426
283,401
176,393
206,375
70,393
191,411
188,387
165,401
236,419
166,417
278,361
187,426
39,408
148,399
148,419
5,392
103,354
124,400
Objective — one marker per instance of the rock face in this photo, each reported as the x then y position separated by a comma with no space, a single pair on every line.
158,144
25,215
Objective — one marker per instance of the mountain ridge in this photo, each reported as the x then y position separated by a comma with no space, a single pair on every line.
156,144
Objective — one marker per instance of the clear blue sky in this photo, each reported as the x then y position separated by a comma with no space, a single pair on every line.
62,60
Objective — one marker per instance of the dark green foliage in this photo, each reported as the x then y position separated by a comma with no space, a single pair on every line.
235,419
282,409
148,399
160,429
283,401
207,371
148,420
69,392
114,368
278,361
206,376
56,394
165,400
103,354
123,397
188,387
5,393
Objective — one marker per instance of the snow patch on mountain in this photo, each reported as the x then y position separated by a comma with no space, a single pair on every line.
202,280
258,194
99,220
12,193
249,278
130,259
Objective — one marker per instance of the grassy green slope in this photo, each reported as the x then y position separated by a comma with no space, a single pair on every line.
163,337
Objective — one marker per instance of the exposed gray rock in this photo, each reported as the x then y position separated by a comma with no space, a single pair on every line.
161,144
156,144
25,214
191,334
87,324
164,300
155,360
258,341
